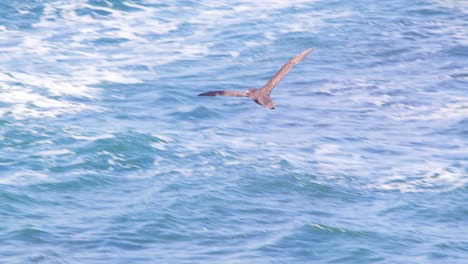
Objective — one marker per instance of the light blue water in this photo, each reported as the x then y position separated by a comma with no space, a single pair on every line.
108,156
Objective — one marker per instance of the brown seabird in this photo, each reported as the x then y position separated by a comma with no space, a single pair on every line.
262,96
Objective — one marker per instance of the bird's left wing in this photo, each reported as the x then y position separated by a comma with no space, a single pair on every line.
225,93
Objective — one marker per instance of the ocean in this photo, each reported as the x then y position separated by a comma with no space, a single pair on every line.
107,154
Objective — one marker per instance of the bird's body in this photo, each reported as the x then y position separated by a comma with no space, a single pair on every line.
262,96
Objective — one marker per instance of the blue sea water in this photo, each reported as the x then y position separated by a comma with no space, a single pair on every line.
108,156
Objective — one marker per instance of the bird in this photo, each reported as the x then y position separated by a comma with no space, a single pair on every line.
261,96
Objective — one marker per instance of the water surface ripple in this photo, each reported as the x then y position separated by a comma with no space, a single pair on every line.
107,155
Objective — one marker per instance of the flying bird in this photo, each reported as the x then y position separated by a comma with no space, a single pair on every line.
262,96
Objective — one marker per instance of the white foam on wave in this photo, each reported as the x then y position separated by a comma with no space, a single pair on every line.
245,5
424,175
92,138
59,58
27,103
450,111
24,178
463,5
333,159
418,106
431,176
55,152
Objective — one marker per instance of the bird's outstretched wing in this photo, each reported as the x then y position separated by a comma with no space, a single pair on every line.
284,70
225,93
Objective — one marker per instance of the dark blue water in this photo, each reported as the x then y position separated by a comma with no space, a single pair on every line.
108,156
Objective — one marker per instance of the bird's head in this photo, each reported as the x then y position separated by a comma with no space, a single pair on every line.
261,98
270,105
266,102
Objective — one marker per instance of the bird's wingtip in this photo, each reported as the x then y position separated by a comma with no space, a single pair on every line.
309,50
301,56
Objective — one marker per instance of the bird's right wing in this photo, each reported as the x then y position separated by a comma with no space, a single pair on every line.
225,93
284,70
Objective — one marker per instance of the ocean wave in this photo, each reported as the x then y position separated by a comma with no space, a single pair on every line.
430,177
